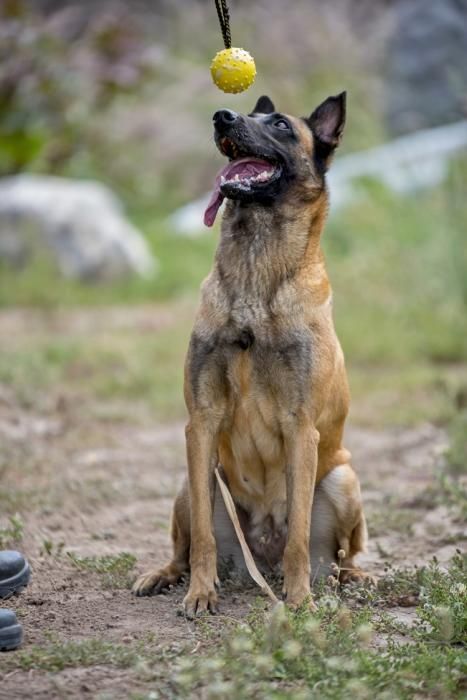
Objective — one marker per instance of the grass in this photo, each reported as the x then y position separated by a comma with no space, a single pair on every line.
340,652
456,456
120,364
353,646
453,476
146,366
450,483
398,269
404,393
12,533
115,569
58,655
393,518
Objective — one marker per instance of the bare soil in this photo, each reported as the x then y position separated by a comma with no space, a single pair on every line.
91,480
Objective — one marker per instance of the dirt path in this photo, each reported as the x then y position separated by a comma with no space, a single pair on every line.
90,485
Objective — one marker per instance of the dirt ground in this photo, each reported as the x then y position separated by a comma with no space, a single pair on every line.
91,482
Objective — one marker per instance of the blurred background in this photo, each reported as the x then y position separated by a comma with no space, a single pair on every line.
105,137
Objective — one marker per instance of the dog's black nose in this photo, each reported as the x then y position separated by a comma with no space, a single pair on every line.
224,117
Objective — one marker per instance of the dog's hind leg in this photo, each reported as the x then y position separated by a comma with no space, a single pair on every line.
156,580
338,525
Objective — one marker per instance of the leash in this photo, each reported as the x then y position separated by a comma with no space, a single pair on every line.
247,555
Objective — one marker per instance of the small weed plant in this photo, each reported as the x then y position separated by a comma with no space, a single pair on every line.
12,533
115,569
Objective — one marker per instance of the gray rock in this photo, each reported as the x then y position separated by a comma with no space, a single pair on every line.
80,223
426,64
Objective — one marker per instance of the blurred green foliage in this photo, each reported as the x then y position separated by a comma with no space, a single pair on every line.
399,265
56,72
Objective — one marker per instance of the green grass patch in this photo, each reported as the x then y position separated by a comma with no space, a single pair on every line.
115,569
342,652
389,517
121,364
31,369
148,369
399,269
12,533
456,456
59,654
404,393
115,365
450,482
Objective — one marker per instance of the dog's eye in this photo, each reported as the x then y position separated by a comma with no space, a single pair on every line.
281,124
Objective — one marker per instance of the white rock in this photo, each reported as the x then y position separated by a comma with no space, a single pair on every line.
81,223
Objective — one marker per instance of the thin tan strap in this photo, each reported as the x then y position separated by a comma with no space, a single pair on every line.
247,555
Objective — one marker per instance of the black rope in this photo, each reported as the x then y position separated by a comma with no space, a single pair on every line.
224,21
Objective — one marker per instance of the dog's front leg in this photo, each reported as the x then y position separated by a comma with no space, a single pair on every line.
302,460
202,456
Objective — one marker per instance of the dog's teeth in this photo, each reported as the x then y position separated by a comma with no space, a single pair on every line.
236,178
222,180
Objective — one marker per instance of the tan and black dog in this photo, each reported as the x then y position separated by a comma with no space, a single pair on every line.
265,382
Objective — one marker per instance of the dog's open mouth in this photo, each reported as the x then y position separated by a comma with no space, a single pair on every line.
244,173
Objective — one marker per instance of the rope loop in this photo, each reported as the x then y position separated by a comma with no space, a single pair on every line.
224,21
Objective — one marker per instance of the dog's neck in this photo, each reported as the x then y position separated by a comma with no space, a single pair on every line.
263,247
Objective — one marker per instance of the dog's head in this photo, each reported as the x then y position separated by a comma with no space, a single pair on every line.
270,152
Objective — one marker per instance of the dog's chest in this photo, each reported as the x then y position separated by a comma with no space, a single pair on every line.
268,369
265,385
251,452
253,356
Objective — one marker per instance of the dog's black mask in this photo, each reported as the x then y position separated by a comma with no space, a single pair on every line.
258,147
268,151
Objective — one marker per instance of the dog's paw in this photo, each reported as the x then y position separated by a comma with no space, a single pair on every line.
356,575
200,599
299,598
301,603
155,581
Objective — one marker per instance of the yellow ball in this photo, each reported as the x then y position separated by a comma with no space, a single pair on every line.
233,70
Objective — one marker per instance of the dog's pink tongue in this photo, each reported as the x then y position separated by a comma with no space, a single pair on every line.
243,167
216,198
214,203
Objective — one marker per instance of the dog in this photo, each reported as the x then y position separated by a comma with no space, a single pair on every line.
265,382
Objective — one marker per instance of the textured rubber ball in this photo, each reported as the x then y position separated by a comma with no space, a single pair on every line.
233,70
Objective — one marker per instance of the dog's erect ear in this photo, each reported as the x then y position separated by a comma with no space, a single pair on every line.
327,121
264,106
327,124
